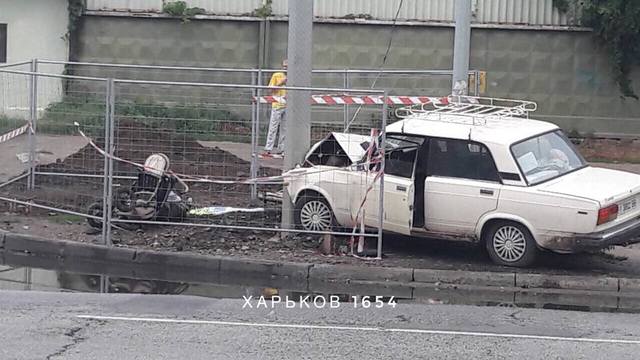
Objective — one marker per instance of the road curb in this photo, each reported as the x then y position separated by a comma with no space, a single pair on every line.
597,283
457,277
325,272
31,245
246,271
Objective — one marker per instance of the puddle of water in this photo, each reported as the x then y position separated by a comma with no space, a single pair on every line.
22,274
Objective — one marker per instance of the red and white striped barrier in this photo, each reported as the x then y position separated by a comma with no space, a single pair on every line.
14,133
361,100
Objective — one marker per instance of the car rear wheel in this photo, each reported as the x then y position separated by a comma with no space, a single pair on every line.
511,244
313,213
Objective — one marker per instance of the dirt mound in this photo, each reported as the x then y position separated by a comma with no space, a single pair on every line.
136,141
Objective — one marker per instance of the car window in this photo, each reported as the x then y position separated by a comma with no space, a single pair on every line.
461,159
546,156
400,154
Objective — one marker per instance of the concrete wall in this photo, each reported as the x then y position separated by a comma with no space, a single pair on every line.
35,29
567,72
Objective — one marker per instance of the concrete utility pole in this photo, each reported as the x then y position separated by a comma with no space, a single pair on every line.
298,116
462,44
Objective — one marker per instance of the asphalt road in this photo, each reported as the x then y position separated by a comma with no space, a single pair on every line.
35,325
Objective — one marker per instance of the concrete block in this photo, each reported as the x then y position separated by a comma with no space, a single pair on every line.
464,277
27,244
365,273
23,259
543,281
260,268
97,253
181,260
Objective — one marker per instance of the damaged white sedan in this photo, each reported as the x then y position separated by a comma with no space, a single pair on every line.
472,171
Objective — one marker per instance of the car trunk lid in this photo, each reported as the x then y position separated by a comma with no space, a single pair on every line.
605,186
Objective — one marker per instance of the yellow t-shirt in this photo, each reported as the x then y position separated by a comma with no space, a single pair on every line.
276,80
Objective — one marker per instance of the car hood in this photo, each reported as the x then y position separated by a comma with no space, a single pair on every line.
603,185
350,144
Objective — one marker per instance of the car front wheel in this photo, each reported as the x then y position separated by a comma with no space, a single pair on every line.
313,213
511,244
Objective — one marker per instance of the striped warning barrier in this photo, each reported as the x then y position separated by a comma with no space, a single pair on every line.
14,133
361,100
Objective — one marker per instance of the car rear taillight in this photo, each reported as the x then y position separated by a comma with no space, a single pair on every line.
607,214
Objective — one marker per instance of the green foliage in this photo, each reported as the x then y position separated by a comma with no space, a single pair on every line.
617,24
182,10
265,10
175,8
200,121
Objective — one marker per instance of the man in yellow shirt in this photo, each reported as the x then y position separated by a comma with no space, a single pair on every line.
278,116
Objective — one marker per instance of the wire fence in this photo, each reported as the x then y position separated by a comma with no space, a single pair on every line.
89,145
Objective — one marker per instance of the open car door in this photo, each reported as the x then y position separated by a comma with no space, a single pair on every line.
400,159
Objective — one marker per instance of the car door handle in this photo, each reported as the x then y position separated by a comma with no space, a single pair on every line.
401,188
486,192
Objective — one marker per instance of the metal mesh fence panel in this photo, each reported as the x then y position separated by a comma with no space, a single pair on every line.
15,140
207,140
66,173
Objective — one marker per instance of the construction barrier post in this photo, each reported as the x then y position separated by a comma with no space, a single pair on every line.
381,149
109,125
31,131
345,84
254,139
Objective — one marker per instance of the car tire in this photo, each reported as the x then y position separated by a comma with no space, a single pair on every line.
511,244
313,213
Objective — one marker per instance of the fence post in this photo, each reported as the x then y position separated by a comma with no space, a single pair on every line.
258,105
33,116
381,149
254,138
345,84
109,125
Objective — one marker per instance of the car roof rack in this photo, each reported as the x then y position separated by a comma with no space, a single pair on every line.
472,110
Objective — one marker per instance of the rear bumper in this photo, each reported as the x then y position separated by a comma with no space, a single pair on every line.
622,234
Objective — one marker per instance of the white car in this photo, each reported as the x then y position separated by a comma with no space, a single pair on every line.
471,171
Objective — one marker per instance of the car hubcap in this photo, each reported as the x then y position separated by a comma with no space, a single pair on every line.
315,216
509,243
